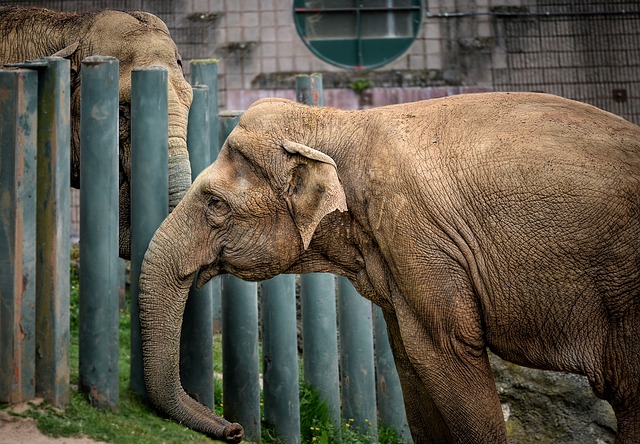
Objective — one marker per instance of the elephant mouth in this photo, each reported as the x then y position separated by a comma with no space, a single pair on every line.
207,273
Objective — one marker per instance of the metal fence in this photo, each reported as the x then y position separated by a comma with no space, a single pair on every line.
587,51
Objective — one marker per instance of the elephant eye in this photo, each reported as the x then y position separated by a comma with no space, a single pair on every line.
216,210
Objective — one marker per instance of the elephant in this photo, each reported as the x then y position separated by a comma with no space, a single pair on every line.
135,38
507,222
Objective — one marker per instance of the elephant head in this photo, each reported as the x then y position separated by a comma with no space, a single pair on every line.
256,210
136,39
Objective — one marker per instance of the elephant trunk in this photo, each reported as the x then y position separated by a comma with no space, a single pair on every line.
163,294
179,101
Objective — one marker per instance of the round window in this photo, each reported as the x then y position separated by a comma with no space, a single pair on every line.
358,34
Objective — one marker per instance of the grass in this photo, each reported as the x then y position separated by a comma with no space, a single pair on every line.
135,422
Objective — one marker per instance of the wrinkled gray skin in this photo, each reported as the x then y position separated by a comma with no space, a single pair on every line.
136,38
507,221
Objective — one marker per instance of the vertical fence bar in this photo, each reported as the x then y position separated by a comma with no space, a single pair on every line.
18,147
280,357
318,301
240,366
205,72
196,340
53,232
320,338
309,89
149,186
241,380
390,402
356,359
99,284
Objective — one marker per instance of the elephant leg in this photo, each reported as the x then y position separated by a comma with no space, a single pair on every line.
622,388
628,419
618,378
425,422
443,338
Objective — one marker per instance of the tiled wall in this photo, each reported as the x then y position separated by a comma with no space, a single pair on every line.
460,48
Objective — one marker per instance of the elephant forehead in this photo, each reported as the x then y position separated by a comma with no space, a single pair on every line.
228,176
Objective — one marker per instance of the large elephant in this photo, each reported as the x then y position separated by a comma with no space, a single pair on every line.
137,39
508,221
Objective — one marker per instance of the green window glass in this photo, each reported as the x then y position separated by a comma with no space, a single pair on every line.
358,34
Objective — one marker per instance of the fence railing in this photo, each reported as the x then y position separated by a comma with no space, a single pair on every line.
350,395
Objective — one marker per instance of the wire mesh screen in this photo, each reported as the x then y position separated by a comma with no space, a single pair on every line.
588,51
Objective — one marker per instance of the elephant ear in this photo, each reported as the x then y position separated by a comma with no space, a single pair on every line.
313,190
69,52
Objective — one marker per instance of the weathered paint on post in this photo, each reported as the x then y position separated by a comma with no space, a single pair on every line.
18,147
205,72
196,340
241,381
280,357
320,337
99,284
240,366
149,186
390,402
356,359
53,232
309,89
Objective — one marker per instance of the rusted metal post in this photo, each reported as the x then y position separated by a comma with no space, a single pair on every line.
149,186
280,357
309,89
99,284
205,72
18,147
196,340
53,232
240,359
320,338
390,402
356,359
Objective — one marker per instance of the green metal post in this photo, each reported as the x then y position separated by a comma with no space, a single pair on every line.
18,147
280,357
320,337
205,72
149,186
356,359
53,232
196,340
390,402
309,89
318,301
99,284
241,374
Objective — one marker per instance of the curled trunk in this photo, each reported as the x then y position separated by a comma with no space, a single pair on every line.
164,289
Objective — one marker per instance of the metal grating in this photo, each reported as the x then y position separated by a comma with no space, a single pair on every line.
587,51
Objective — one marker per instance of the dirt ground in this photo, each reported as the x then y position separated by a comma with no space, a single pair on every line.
17,430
